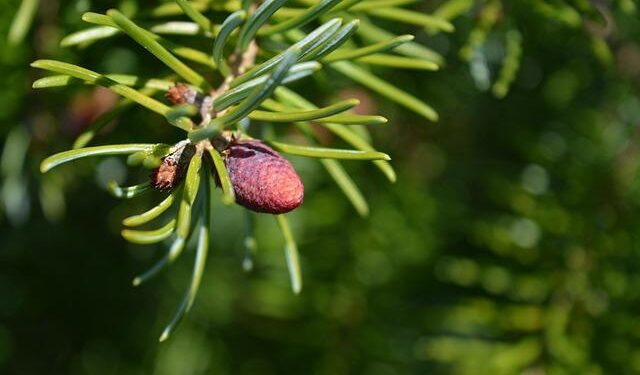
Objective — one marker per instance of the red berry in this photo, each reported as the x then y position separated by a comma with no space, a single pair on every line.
262,180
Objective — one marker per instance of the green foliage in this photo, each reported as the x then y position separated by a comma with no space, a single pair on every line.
247,79
507,245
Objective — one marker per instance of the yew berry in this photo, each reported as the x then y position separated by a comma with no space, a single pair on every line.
263,181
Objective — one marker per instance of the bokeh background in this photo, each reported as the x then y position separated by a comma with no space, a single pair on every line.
508,245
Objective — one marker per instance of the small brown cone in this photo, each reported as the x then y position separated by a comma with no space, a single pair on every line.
173,169
181,94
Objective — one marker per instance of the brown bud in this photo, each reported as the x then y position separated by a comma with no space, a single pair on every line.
182,94
173,168
262,180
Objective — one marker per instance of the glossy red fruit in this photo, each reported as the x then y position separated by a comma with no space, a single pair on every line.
262,180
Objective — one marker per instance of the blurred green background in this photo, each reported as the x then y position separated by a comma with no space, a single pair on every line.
508,245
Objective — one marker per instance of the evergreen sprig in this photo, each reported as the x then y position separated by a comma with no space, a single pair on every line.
217,95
